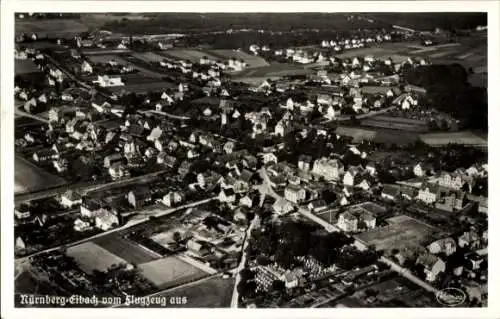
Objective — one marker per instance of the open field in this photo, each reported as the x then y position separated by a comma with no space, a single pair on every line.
464,138
140,88
29,177
273,71
126,249
26,283
25,67
50,27
253,61
190,55
148,56
106,58
213,293
402,232
169,272
396,123
378,135
90,257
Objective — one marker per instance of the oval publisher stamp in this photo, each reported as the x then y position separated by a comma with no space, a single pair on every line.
451,297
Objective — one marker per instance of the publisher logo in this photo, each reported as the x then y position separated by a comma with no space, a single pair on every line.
451,297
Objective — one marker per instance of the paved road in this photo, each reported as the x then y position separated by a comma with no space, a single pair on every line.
84,187
236,297
121,228
22,113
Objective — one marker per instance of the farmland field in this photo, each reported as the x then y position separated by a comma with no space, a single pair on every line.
396,123
213,293
403,231
169,272
465,138
106,58
140,88
253,61
25,67
273,70
52,27
123,248
90,257
148,56
29,177
190,55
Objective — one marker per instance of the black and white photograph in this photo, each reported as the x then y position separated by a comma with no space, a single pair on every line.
248,159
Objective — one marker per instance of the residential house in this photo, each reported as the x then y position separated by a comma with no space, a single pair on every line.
433,265
364,185
390,192
108,81
118,170
408,193
429,193
371,168
60,164
282,206
418,170
30,105
246,201
295,193
450,202
329,169
475,260
112,159
469,239
105,220
317,205
197,247
283,127
228,147
350,175
450,180
86,68
45,155
172,198
89,208
81,226
22,212
269,157
369,220
347,222
446,245
139,197
304,162
227,196
208,179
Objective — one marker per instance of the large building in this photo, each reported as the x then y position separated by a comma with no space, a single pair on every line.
329,169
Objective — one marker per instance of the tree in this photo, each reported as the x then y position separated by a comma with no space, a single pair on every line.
177,237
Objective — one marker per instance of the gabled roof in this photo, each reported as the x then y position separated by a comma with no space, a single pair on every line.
391,190
427,260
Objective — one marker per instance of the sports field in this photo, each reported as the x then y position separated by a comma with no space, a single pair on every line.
402,232
126,249
212,293
29,177
90,257
170,271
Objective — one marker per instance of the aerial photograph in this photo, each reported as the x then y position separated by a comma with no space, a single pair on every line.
251,160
